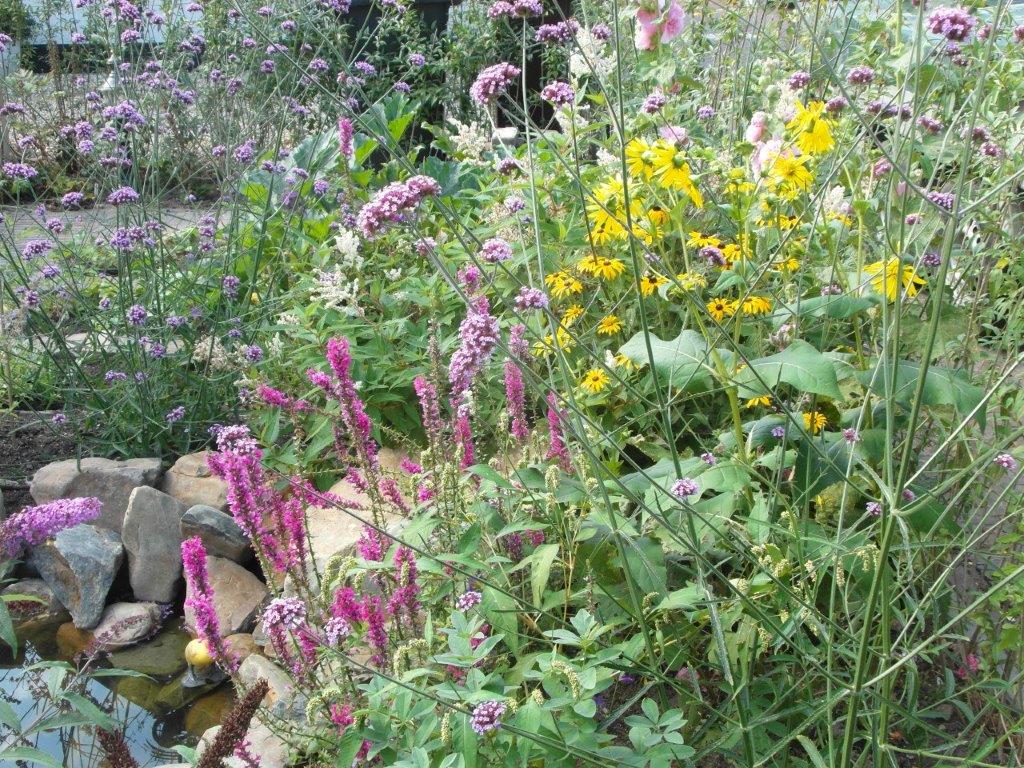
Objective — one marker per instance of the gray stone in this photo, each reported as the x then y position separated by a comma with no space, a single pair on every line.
161,657
237,596
50,608
125,624
112,482
191,482
282,700
219,532
79,565
152,537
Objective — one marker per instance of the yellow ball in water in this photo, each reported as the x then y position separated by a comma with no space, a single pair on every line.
197,654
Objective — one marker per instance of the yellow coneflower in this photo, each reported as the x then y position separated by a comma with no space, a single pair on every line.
719,309
814,422
791,172
754,402
609,325
890,274
640,159
787,264
673,172
697,240
814,135
594,380
756,305
572,314
608,268
650,283
563,284
621,361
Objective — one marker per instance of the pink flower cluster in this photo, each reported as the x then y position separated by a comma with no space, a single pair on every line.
478,335
34,525
515,391
200,601
392,202
953,24
659,24
492,82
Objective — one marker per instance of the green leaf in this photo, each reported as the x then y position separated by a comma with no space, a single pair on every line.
88,709
800,365
683,361
502,614
941,387
346,751
9,717
543,558
7,633
27,753
684,599
812,752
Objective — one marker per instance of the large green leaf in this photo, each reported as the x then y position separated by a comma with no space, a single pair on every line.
941,386
800,365
684,361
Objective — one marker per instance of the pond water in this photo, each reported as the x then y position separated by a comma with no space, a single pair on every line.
155,711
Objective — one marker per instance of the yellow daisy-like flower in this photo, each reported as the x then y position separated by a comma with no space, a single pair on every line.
621,361
594,380
791,172
814,422
732,254
787,264
673,172
697,240
756,305
754,402
609,325
650,283
563,284
691,281
719,309
640,159
561,338
606,210
607,268
572,314
814,135
888,275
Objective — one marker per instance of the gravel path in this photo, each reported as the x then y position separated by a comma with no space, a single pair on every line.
85,225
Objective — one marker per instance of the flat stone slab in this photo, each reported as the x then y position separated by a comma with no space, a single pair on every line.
191,482
218,531
237,596
110,481
79,565
151,534
125,624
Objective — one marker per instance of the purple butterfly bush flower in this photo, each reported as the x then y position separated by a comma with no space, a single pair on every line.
560,32
175,414
35,525
799,80
530,298
1006,461
495,250
20,171
860,75
487,716
136,315
478,336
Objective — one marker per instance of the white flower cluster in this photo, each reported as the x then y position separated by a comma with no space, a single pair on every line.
346,243
589,57
210,348
470,140
334,290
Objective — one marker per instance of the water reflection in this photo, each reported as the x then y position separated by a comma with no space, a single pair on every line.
156,712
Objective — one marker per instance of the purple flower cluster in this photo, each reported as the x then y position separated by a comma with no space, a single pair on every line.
393,201
34,525
284,612
515,9
123,196
799,80
684,487
515,391
861,75
561,32
136,315
495,250
530,298
487,716
467,600
953,24
20,171
492,82
478,335
200,600
653,103
558,93
944,200
1006,461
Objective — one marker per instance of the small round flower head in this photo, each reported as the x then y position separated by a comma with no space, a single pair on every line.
909,495
1018,34
684,487
175,414
558,93
514,204
861,75
492,82
136,315
417,59
230,285
653,103
836,105
507,166
495,250
799,80
709,459
1006,461
931,259
287,612
487,716
72,201
59,418
530,298
944,200
851,435
953,24
601,32
873,508
467,600
881,168
991,149
705,112
778,432
336,629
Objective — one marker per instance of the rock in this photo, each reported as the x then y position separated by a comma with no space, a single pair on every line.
282,700
191,482
79,565
71,640
162,656
241,645
220,533
155,696
110,481
263,743
334,531
237,596
209,710
152,538
49,609
124,624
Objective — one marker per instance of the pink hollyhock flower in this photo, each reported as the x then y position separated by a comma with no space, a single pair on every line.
659,25
755,131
